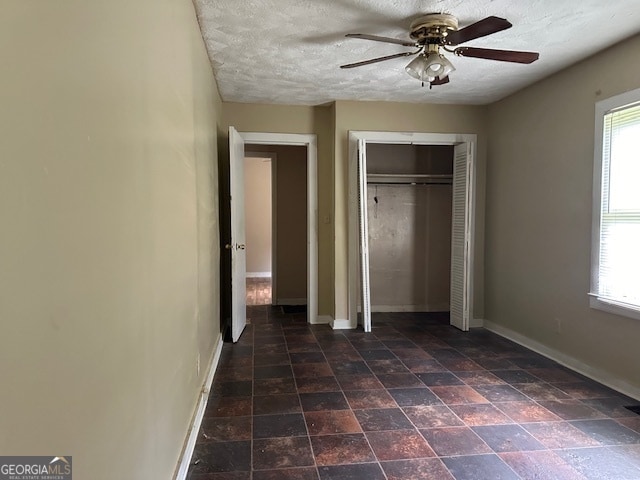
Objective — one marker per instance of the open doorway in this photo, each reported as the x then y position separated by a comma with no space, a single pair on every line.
233,266
283,228
258,193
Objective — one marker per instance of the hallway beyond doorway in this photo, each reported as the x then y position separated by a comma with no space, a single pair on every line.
258,291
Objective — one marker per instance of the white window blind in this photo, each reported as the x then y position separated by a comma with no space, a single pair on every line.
618,272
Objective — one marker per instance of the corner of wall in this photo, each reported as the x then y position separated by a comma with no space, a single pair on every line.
594,373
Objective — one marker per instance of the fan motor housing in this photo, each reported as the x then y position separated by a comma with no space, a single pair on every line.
433,26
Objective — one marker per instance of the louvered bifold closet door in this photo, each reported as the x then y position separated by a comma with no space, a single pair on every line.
459,300
363,231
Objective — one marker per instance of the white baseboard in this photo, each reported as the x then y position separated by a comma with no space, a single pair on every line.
341,324
323,319
437,307
593,373
476,323
291,301
192,435
258,274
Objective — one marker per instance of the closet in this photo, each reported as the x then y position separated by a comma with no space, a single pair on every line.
423,212
409,211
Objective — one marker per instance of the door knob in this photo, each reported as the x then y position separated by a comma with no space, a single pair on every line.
228,246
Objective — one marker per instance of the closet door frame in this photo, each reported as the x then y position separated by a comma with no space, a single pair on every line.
359,288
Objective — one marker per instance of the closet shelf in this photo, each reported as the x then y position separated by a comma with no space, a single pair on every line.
409,179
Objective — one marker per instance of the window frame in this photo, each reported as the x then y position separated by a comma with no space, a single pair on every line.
597,301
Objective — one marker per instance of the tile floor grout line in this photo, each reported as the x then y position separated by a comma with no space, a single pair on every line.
589,405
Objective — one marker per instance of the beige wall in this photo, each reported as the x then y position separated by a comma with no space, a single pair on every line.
109,250
324,123
249,117
539,194
402,117
257,214
410,247
291,227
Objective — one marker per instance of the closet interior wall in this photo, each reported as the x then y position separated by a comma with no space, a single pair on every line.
409,218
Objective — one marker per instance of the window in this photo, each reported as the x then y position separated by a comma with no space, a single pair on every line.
615,279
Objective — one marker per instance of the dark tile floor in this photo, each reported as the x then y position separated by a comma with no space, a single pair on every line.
414,399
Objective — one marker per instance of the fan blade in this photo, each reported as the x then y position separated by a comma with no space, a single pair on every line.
440,81
500,55
379,59
376,38
482,28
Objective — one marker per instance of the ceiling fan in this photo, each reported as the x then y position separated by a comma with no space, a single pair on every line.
434,32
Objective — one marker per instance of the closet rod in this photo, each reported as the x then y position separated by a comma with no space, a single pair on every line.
409,184
409,179
434,176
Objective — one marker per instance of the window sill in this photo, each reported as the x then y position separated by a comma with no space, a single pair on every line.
611,306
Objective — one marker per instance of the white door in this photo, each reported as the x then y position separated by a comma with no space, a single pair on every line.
363,227
237,245
460,237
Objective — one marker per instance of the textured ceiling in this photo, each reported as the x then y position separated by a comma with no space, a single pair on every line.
289,51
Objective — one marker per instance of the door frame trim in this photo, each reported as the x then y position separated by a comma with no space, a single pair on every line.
399,138
309,141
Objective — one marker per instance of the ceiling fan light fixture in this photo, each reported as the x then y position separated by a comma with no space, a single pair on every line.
417,68
438,65
426,67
